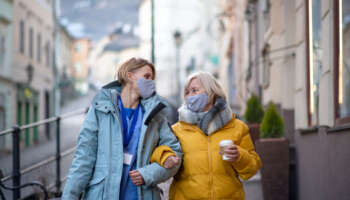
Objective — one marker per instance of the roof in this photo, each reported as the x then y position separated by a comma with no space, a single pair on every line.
122,41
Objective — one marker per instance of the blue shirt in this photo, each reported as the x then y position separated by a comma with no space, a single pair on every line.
132,122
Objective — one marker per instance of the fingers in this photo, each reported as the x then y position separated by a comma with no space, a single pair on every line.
232,153
231,150
176,160
171,161
136,177
232,147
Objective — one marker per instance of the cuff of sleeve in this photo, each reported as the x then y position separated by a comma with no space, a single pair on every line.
146,176
243,159
161,153
165,156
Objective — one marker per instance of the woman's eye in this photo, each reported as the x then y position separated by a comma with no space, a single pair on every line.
147,77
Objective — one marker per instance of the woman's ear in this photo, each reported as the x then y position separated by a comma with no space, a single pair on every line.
129,75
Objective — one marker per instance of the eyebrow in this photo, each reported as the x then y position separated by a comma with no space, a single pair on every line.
191,88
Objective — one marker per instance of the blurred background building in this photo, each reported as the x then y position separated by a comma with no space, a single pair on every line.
7,86
80,64
29,63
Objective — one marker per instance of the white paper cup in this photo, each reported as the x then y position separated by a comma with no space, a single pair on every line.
223,145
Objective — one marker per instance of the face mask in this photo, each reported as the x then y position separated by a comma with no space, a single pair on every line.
197,103
146,87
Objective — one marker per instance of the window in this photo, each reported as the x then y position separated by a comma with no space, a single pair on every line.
39,48
2,112
266,7
21,37
342,67
53,57
314,65
2,118
78,68
31,42
35,118
47,53
77,48
266,65
2,50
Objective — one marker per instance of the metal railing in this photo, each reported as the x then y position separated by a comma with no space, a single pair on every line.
16,155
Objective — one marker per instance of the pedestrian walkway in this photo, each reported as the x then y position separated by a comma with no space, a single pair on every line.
253,188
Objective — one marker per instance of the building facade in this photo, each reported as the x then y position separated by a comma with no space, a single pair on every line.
111,52
233,45
80,64
7,86
63,66
297,58
32,64
179,47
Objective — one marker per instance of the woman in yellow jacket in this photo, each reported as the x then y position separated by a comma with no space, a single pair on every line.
204,120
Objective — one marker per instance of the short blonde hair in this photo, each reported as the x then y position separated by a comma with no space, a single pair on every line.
131,65
211,85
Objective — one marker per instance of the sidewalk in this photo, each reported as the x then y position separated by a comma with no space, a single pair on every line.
252,188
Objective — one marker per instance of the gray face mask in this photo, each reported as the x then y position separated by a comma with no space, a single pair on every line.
197,103
146,87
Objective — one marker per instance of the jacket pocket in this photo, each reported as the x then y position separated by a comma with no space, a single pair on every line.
96,180
95,188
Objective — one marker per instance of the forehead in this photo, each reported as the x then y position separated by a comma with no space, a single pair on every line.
144,69
195,83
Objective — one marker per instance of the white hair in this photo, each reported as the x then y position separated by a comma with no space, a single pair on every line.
212,87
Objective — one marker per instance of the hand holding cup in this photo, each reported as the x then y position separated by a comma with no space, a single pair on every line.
229,151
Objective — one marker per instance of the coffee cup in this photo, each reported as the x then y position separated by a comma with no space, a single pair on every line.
223,145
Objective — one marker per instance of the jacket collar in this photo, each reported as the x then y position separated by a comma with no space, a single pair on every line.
105,101
211,121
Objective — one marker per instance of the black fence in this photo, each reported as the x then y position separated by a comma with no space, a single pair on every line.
17,172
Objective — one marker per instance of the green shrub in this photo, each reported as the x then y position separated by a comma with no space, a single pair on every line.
272,125
254,112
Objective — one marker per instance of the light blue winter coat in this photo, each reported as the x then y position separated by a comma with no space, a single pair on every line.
98,160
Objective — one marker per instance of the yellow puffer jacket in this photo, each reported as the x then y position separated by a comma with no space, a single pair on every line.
204,175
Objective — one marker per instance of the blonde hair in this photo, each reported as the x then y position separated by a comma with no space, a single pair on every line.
211,86
131,65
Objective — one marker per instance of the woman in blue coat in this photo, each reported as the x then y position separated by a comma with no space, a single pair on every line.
124,125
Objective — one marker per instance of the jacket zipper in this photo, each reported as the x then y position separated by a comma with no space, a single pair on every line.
210,170
116,115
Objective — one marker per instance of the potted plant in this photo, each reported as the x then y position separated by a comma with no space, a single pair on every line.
273,150
253,116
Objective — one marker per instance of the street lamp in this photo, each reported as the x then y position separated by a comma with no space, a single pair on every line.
178,39
30,72
178,42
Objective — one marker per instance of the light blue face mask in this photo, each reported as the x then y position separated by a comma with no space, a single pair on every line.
197,103
146,87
